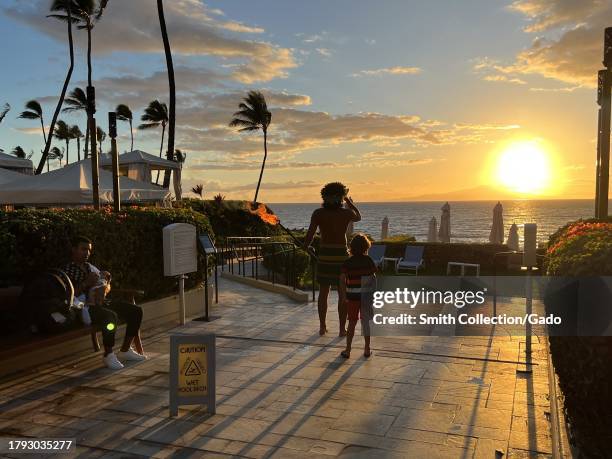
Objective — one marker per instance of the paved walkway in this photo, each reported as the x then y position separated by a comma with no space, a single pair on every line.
284,392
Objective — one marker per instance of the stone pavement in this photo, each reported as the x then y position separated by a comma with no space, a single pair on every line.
283,392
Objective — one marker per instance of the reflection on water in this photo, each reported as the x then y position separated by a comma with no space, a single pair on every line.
470,220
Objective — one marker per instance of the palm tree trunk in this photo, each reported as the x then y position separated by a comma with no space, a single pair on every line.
89,52
45,154
87,139
161,149
67,151
47,164
172,88
42,125
132,134
263,165
79,148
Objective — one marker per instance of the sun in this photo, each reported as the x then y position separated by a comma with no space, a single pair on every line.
524,167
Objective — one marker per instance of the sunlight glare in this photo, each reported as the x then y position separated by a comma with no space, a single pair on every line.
524,167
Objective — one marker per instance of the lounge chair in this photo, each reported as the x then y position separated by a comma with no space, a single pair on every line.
412,259
377,253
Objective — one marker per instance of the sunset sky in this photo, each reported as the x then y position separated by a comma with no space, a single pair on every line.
399,99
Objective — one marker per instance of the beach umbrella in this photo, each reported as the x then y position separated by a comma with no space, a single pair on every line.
444,232
384,232
497,230
432,235
513,238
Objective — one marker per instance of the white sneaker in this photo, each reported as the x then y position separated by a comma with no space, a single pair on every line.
111,362
131,355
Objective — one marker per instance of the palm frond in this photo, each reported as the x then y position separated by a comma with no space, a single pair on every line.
148,125
123,112
29,115
4,111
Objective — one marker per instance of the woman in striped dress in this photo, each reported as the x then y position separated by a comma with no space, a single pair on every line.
332,221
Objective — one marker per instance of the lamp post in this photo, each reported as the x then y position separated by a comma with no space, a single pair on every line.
112,132
604,81
91,120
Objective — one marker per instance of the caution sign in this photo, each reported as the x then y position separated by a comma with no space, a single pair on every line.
192,378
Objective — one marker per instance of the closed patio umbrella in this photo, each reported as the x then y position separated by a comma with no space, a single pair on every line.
444,232
513,238
384,231
432,234
497,230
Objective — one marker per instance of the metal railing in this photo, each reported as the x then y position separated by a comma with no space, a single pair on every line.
273,259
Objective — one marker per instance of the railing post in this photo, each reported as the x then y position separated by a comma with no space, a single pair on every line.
314,276
273,263
294,274
257,261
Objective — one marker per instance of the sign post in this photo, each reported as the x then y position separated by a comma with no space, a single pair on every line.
192,371
180,257
530,262
208,247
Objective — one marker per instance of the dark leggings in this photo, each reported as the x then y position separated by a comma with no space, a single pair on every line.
106,318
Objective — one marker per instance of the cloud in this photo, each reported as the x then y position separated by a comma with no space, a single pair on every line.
31,130
397,70
503,78
570,47
133,26
325,52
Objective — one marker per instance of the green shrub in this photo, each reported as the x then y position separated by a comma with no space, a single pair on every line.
231,218
582,363
128,244
399,239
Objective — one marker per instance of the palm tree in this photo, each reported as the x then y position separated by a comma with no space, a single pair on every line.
155,115
65,5
75,133
77,102
253,116
19,152
101,136
62,132
55,153
125,114
34,111
171,87
199,190
4,111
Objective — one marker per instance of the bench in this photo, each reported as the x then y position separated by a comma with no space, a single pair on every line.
25,341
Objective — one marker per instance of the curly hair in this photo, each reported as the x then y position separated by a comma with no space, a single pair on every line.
360,244
333,194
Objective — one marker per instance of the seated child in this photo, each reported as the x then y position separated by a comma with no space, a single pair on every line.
351,287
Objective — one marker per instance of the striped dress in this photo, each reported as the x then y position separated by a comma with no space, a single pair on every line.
330,259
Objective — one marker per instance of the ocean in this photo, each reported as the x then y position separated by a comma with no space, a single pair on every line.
470,220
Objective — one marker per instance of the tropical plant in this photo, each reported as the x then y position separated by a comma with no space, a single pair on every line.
62,132
67,6
86,13
19,152
253,116
125,114
219,198
199,190
4,111
34,111
155,115
55,153
77,102
76,134
100,136
171,87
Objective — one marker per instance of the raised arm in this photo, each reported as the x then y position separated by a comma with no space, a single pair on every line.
350,205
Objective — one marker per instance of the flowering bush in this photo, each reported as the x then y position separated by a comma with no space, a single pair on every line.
128,244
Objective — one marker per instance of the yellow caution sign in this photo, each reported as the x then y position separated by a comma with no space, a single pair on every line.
192,370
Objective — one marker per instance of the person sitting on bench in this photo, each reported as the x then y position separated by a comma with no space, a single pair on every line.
87,280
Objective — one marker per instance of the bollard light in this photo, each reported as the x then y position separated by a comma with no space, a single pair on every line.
112,125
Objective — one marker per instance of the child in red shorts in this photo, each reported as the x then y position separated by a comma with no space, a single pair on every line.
357,275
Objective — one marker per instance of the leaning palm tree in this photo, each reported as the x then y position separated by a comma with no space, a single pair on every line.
54,153
125,114
101,136
199,190
253,116
155,115
34,111
62,132
171,87
77,102
19,152
76,134
4,111
67,6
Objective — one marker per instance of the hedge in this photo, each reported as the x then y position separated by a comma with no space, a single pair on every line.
582,363
128,244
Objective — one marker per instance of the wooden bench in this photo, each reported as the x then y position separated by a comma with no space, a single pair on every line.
26,341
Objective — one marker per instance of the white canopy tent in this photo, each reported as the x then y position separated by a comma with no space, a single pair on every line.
7,176
15,164
71,185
